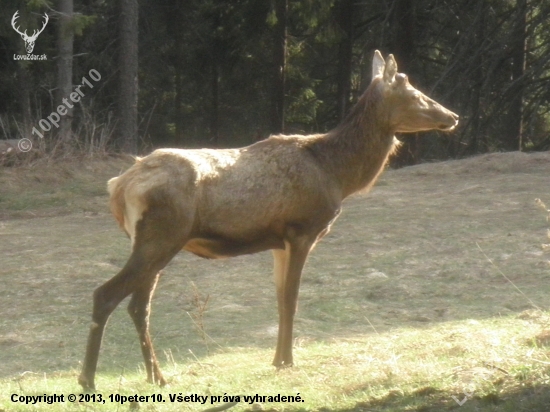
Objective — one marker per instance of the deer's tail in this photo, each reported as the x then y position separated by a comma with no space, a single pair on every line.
117,202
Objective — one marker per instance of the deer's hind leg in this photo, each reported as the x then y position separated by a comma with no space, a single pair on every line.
156,242
105,299
139,310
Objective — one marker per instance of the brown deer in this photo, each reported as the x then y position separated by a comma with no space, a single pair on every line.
282,193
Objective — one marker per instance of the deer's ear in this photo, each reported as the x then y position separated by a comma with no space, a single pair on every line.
378,65
390,70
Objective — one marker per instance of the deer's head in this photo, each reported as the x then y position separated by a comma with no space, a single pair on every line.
405,108
29,40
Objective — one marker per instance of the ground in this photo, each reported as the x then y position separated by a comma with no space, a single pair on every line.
433,284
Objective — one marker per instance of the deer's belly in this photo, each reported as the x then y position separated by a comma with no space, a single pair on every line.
214,247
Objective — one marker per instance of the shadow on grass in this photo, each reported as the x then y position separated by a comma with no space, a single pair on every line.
528,398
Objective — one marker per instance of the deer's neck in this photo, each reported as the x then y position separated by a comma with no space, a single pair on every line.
356,151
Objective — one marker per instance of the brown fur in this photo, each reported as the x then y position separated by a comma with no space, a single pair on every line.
282,193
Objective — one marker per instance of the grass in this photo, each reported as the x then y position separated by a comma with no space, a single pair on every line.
49,187
498,363
411,303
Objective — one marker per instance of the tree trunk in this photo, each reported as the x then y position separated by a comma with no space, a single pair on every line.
403,44
216,53
128,80
65,37
345,49
478,142
514,131
177,14
279,63
215,114
24,85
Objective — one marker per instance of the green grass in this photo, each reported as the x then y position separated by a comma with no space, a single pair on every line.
408,302
493,365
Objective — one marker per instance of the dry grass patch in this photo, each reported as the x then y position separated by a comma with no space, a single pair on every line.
49,187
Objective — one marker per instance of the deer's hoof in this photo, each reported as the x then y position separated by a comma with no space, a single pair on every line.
284,365
158,380
87,385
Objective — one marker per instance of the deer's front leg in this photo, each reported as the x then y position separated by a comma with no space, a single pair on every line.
288,267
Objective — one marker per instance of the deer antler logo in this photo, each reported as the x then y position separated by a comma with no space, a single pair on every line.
29,40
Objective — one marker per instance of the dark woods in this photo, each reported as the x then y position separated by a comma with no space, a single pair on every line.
226,73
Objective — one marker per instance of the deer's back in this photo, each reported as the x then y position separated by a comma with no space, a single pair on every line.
245,196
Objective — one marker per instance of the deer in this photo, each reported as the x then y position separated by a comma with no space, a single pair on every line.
29,40
280,194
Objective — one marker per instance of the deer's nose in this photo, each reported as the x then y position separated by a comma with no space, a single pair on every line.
455,117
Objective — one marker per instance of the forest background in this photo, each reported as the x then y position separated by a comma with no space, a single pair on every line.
220,73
